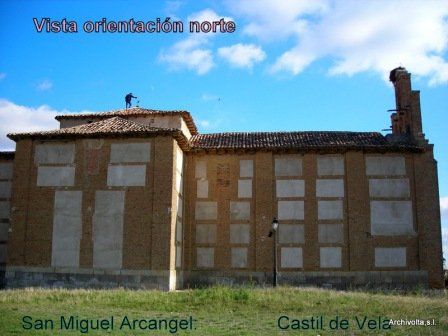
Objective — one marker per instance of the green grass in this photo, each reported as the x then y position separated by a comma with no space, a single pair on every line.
224,310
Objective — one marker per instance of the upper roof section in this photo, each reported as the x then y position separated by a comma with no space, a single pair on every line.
131,113
111,127
300,141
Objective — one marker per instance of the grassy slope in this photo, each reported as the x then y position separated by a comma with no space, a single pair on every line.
222,310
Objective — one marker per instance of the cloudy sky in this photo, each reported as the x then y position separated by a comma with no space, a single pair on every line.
289,65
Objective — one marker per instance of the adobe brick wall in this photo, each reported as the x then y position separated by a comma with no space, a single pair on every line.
428,214
152,217
146,215
20,203
423,248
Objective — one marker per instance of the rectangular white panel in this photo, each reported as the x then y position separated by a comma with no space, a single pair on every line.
178,256
239,257
205,257
244,188
67,228
179,231
107,232
389,187
330,210
239,233
48,176
330,188
246,168
54,154
290,188
330,233
291,234
330,165
126,176
288,166
385,165
240,210
206,210
291,257
390,257
391,218
202,188
330,257
201,169
291,210
205,233
130,152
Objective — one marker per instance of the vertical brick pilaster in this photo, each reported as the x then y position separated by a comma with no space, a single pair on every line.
357,232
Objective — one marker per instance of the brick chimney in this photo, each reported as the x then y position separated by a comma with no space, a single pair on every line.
407,119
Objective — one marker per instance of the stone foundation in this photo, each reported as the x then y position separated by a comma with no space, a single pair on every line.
21,277
337,280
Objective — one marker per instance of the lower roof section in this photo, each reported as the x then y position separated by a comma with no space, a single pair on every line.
302,141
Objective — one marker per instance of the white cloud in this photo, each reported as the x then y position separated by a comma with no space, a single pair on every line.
357,35
193,53
44,85
273,20
208,125
208,97
171,9
204,123
444,208
204,15
189,54
19,118
2,75
242,55
173,6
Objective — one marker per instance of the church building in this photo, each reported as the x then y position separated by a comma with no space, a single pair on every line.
138,198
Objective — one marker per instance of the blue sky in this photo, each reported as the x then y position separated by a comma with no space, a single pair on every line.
290,65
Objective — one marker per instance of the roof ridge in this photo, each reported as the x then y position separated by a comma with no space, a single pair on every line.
134,111
128,110
288,132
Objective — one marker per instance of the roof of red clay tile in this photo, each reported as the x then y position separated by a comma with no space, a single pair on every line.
302,141
297,140
134,112
110,127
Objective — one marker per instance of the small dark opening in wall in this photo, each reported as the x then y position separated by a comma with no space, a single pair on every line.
89,121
